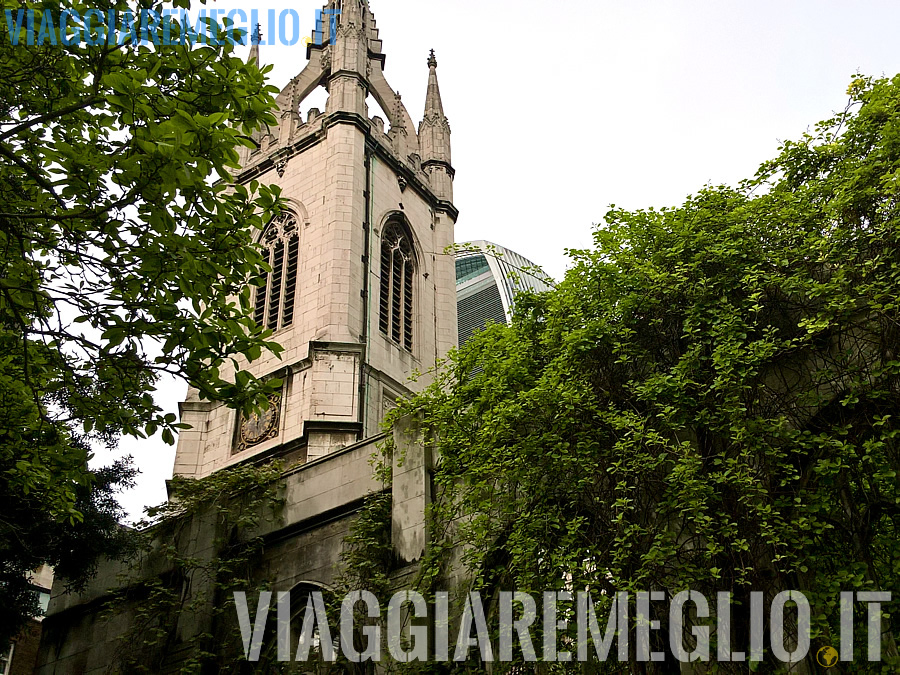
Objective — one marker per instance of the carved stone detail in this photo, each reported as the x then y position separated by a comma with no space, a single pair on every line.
288,223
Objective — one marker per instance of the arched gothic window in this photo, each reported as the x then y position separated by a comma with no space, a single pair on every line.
308,654
274,303
395,317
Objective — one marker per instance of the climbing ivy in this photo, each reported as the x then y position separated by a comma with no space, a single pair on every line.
367,557
198,547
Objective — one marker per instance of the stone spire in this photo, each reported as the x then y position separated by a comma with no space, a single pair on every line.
348,60
255,39
253,57
434,137
433,104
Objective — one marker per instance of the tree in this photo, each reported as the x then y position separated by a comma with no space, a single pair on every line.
125,252
710,400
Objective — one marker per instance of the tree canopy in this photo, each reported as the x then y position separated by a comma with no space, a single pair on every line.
125,253
709,400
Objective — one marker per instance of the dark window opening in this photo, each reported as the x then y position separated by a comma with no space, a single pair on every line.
395,317
273,306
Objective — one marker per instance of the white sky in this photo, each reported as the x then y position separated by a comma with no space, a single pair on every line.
559,109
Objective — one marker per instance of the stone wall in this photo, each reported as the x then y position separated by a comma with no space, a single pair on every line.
302,546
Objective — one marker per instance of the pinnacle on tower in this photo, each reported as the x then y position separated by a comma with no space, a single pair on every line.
434,137
349,55
255,39
433,104
351,11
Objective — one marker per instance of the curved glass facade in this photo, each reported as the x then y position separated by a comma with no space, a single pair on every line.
488,277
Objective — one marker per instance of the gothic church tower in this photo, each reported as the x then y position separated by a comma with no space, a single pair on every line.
360,295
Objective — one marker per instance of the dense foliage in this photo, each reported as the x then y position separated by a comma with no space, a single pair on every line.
122,248
710,400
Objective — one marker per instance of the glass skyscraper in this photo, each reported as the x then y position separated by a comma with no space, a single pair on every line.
488,277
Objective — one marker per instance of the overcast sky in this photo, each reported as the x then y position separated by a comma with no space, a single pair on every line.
559,109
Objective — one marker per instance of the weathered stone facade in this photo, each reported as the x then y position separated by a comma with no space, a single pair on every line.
359,327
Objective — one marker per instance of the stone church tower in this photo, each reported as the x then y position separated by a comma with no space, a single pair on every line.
361,295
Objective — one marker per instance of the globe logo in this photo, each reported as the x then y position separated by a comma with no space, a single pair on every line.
827,657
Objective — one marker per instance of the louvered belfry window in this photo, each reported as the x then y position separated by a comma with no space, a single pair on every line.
274,303
395,316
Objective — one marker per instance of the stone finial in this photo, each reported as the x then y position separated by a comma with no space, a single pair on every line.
432,61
